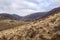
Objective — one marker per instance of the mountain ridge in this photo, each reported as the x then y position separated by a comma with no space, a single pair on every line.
9,16
31,17
39,15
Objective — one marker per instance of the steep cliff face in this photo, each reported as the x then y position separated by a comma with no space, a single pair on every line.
47,28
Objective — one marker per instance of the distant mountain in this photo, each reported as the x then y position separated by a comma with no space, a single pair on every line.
40,15
53,11
17,16
34,16
31,17
9,16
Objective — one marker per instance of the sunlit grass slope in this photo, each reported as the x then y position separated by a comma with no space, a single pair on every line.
43,29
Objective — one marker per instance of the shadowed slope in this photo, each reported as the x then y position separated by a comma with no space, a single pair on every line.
34,16
39,15
9,16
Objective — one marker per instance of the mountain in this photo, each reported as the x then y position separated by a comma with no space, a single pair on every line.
53,11
17,16
9,16
35,16
39,15
46,28
31,17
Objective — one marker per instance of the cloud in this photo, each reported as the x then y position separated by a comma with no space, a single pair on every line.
26,7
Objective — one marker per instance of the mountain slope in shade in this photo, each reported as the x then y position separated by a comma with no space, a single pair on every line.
47,28
17,16
9,16
53,11
39,15
31,17
34,16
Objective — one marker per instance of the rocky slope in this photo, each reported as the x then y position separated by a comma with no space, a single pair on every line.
47,28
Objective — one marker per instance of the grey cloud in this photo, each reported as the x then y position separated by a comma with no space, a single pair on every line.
26,7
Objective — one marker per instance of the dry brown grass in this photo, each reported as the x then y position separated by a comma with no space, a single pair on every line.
6,24
42,29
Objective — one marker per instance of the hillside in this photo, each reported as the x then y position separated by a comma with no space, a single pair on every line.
7,24
4,16
39,15
47,28
34,16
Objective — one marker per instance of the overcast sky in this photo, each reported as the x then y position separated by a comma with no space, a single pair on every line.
26,7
